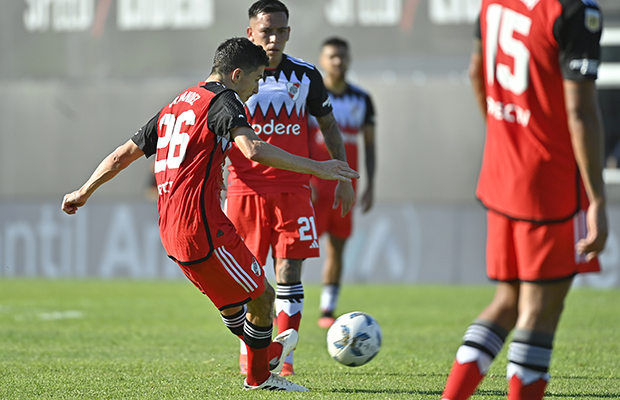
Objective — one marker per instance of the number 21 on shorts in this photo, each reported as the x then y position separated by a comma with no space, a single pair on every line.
502,23
307,229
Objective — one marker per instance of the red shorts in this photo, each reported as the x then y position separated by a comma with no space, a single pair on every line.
526,251
230,277
283,222
328,219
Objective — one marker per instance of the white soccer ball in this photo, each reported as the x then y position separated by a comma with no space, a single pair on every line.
354,339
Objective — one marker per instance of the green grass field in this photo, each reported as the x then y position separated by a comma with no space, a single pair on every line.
164,340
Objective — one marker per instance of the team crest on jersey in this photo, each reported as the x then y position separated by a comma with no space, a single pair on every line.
256,267
593,20
293,90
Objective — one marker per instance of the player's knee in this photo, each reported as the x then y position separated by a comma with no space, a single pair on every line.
262,306
506,305
540,316
269,294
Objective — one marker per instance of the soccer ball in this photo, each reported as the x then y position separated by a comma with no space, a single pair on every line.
354,339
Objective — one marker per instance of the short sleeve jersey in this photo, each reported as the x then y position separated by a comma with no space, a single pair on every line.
190,138
279,115
529,47
353,109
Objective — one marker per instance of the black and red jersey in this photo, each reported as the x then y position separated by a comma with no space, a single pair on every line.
529,47
279,114
353,109
190,138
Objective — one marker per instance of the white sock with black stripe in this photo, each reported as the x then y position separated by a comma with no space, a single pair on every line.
289,305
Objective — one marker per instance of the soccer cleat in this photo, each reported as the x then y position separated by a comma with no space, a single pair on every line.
276,382
243,364
287,369
326,321
288,339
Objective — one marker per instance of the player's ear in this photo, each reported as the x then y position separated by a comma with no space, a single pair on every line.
236,75
249,32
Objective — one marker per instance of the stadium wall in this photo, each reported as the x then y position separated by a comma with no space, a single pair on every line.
395,242
79,77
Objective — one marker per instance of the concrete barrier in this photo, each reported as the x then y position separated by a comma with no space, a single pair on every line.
399,242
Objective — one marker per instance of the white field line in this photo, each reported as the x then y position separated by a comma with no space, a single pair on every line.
47,316
57,315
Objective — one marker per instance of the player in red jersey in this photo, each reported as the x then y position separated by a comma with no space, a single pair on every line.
272,208
355,114
533,75
190,138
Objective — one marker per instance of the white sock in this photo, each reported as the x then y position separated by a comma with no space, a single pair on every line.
329,298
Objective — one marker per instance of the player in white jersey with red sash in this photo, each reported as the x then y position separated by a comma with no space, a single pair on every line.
272,208
533,75
355,114
190,138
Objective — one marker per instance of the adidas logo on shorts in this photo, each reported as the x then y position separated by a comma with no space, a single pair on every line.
314,245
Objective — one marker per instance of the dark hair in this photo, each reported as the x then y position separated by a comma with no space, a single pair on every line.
267,6
336,41
236,53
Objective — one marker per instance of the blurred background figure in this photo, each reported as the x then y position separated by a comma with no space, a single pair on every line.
355,115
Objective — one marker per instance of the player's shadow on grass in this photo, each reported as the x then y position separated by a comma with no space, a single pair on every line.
388,391
502,393
495,393
584,395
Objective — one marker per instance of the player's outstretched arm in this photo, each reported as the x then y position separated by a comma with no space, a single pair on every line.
262,152
118,160
344,192
584,122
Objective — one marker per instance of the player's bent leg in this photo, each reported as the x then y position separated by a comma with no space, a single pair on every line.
482,342
289,300
332,273
234,319
260,309
257,334
529,356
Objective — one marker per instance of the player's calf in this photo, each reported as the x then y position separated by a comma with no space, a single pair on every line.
236,322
